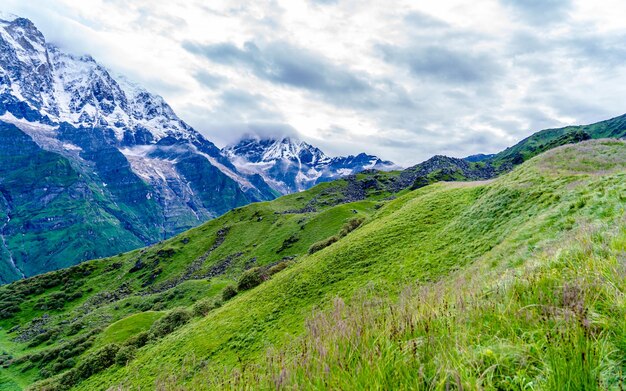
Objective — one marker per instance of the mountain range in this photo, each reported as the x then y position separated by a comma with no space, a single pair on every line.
91,164
502,271
290,165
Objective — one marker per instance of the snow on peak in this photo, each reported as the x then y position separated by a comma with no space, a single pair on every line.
78,90
293,165
282,149
257,149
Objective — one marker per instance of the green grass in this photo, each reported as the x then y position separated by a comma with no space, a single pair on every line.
420,238
556,323
511,284
69,304
547,139
123,329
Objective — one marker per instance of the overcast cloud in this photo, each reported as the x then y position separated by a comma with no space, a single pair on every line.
401,79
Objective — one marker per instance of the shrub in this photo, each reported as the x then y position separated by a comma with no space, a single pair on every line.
351,225
69,363
67,380
8,309
57,367
96,362
63,364
322,244
204,306
138,340
229,292
75,328
44,373
280,266
170,322
65,353
251,278
348,227
125,355
43,337
420,182
287,243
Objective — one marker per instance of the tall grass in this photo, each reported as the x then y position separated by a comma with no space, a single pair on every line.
557,323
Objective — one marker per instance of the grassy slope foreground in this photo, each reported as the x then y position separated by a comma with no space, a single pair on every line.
513,284
52,322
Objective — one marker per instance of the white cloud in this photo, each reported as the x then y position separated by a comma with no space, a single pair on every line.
401,79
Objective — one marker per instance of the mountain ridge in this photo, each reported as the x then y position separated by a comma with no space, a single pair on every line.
293,165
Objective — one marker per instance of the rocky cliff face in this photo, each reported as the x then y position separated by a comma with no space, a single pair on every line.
92,164
291,165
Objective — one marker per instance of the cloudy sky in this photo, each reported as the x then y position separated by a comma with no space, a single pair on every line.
401,79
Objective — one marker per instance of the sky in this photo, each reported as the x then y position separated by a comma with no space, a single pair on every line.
404,80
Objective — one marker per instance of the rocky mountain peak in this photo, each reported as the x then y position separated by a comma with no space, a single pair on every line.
292,165
24,64
62,87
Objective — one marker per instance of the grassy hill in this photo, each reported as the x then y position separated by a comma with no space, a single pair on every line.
480,167
547,139
515,283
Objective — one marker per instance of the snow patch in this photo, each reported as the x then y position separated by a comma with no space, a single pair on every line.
21,122
71,147
243,182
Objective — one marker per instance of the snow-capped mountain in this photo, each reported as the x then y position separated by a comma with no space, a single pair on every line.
77,90
88,153
290,165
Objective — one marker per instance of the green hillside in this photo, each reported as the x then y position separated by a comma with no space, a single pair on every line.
547,139
481,167
516,283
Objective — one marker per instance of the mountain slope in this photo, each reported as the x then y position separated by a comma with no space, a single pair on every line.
547,139
292,166
132,173
481,167
480,235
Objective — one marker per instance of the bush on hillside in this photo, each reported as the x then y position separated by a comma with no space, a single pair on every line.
420,182
75,327
170,322
125,355
351,225
348,227
251,278
97,361
43,337
229,292
289,242
322,244
204,306
280,266
8,309
138,340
